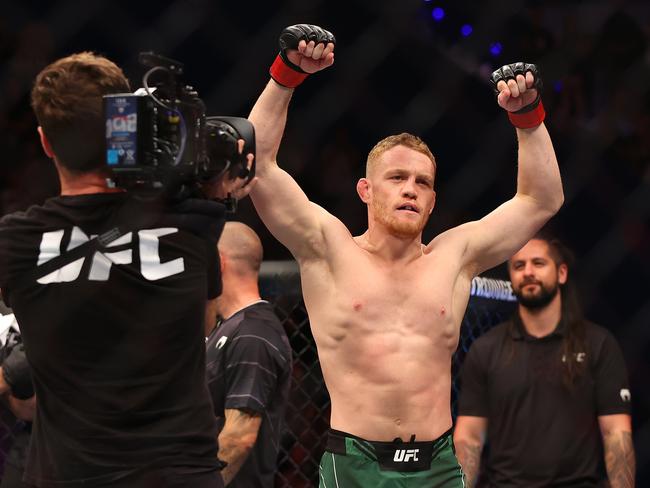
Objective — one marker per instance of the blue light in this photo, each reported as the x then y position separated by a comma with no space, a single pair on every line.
496,48
466,30
438,14
557,85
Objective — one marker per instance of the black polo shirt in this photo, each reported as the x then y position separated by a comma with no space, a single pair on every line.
249,368
540,432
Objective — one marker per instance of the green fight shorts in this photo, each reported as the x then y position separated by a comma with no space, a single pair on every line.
352,462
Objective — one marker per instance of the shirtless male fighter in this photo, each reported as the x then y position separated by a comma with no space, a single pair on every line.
385,310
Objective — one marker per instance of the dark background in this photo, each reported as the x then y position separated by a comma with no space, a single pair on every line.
398,69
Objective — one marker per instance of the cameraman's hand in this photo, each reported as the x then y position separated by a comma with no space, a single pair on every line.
237,188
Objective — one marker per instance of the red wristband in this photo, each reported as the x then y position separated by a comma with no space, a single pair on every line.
530,119
285,75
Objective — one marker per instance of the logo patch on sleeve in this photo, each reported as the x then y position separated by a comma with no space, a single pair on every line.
626,396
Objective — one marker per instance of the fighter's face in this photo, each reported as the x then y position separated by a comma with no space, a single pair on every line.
535,276
401,195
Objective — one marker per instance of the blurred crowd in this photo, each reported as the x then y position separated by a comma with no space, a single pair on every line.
396,70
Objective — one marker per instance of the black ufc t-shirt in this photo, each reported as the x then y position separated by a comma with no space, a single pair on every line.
540,432
115,341
249,368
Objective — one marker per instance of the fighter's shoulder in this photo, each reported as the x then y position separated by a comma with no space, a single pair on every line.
456,237
331,225
336,243
319,239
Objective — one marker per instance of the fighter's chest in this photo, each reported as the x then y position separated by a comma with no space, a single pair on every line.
410,294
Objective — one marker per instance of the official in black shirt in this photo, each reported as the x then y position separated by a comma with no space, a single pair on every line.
544,387
248,365
114,338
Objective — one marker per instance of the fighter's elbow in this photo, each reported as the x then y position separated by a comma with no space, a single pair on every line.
556,201
548,209
548,202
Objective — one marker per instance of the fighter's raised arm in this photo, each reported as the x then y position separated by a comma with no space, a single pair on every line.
280,202
498,235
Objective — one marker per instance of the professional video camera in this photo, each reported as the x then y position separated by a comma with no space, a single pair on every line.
159,140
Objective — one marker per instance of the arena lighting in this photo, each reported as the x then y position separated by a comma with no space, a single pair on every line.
557,85
438,14
496,48
466,30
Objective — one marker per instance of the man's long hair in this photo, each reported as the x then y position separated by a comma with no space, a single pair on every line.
573,339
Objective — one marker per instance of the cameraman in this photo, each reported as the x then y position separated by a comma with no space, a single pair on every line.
114,338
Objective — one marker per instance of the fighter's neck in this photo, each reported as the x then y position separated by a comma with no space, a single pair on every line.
390,247
542,321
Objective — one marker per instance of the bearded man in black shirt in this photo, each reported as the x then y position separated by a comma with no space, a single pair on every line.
114,338
541,387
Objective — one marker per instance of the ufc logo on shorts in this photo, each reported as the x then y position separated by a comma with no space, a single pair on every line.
148,243
406,455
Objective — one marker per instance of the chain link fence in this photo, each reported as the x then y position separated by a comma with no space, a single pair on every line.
307,421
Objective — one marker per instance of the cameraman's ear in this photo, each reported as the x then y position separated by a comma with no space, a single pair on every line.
47,148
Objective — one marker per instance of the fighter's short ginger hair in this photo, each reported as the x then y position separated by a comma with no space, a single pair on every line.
404,139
